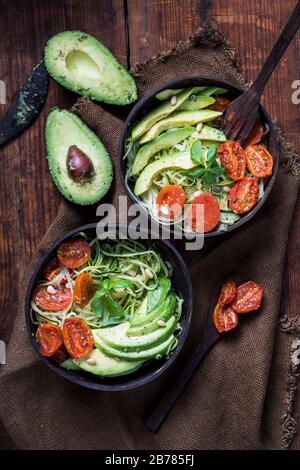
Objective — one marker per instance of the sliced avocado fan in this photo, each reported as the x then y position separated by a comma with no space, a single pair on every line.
166,140
81,63
79,163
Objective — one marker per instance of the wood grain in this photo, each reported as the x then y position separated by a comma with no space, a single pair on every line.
28,199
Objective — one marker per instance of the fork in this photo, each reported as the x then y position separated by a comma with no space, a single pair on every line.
240,116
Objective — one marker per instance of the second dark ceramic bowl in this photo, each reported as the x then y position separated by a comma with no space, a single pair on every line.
144,105
150,370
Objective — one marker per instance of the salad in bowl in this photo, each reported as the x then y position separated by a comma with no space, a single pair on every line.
178,159
109,308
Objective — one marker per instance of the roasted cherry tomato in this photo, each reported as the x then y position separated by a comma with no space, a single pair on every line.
60,355
52,269
171,200
243,195
248,297
74,253
49,337
84,289
259,161
255,135
78,337
225,318
211,210
228,293
59,300
233,159
220,104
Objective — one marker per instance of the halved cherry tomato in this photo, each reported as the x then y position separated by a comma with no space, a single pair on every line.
51,270
171,200
259,161
225,318
74,253
60,300
255,135
49,337
211,210
248,297
243,195
60,355
78,337
233,159
220,104
228,293
84,289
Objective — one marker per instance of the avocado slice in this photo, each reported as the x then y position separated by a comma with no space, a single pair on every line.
179,119
154,324
79,163
116,337
81,63
141,313
166,140
196,104
167,303
169,92
214,90
181,160
99,364
143,355
160,112
69,364
211,133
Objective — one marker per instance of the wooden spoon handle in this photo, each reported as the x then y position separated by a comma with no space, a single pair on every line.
282,43
156,418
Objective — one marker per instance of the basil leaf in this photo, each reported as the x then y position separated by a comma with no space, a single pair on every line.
109,284
209,178
108,310
216,170
212,151
120,284
196,173
197,152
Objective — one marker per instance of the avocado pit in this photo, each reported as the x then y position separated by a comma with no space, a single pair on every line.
79,165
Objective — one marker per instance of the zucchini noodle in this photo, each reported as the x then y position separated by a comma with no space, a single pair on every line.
124,260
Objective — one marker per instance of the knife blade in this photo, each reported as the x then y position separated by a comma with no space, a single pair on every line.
25,105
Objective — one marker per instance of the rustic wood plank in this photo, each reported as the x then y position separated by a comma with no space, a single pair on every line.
28,198
252,28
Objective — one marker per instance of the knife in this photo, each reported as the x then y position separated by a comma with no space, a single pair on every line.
26,104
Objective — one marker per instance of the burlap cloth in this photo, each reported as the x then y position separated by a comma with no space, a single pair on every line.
241,397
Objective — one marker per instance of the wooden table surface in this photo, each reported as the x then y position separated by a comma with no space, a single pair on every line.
134,30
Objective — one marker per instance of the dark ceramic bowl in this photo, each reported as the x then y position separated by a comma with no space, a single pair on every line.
147,103
151,370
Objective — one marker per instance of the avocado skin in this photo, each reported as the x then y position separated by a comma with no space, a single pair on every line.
83,193
121,91
164,141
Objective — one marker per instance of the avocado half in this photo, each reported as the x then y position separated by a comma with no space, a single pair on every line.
81,63
79,163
